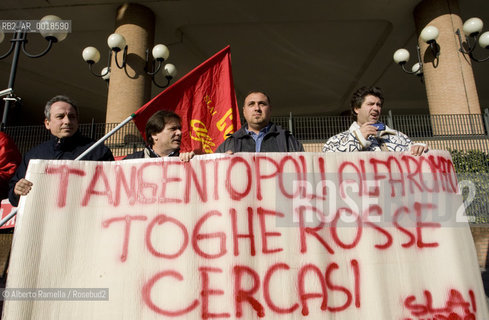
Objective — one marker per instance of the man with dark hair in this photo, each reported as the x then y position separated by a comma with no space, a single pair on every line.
366,132
61,119
259,134
163,137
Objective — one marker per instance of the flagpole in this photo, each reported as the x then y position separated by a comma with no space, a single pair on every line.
101,140
93,146
8,217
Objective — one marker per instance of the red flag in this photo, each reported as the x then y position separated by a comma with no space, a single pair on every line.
205,100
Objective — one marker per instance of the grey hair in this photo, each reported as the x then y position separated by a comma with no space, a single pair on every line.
47,109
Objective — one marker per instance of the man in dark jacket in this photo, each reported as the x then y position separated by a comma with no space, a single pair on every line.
61,119
259,134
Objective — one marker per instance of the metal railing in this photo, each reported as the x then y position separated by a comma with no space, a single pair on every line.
27,137
465,135
446,132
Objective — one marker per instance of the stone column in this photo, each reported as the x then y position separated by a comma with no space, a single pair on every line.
129,89
449,80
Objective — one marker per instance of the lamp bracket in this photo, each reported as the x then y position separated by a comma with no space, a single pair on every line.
168,78
471,43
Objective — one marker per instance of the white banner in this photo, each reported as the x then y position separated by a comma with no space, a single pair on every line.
245,236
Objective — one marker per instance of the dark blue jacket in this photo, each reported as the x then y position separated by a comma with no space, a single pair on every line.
58,149
152,154
275,140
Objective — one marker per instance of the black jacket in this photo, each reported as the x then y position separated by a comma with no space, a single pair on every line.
58,149
140,154
275,140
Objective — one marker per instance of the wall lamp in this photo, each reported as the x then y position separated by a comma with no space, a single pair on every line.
52,28
401,57
117,43
472,29
429,34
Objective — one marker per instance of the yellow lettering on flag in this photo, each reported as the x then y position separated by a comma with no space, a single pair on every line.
199,133
221,124
210,108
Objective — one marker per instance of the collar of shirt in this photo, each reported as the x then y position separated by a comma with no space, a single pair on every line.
173,153
153,154
62,144
258,137
354,126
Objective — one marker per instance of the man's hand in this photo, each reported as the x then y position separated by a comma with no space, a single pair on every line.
368,130
418,149
186,156
22,187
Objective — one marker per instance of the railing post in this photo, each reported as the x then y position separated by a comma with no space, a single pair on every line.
92,129
486,120
390,123
290,123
